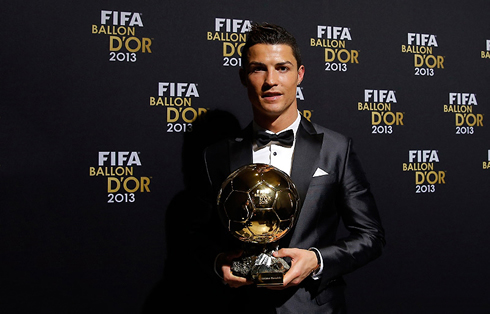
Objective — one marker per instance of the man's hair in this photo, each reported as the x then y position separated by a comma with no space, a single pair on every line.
272,35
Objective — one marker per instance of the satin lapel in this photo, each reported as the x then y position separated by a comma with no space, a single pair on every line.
306,157
241,149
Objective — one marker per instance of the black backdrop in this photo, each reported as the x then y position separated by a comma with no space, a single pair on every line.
97,106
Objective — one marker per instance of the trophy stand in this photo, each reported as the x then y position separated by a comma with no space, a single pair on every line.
258,264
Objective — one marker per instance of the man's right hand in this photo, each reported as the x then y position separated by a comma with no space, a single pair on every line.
223,263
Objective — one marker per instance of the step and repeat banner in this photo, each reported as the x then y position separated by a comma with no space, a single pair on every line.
106,105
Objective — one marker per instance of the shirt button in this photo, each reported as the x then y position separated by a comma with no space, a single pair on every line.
274,153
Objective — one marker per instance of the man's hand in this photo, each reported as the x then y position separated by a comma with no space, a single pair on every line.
303,262
224,263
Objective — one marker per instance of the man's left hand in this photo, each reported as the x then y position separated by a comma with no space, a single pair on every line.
303,262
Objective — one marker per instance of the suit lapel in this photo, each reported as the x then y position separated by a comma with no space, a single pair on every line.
306,157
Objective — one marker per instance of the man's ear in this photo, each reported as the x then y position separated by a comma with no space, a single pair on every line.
243,76
301,74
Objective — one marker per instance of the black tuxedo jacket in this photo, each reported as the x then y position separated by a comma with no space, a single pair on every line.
342,192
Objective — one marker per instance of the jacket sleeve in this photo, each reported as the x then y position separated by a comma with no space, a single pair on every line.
209,234
357,208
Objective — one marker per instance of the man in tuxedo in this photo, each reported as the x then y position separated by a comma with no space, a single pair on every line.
326,171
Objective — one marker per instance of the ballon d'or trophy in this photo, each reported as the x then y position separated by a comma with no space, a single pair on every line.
259,205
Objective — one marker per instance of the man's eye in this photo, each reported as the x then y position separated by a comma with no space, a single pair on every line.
283,69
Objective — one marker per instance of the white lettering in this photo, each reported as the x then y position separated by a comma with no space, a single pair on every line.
121,19
333,32
119,158
178,89
232,25
379,95
422,39
423,156
462,99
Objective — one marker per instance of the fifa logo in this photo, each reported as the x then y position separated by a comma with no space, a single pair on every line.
232,25
178,89
119,158
422,39
462,99
264,197
333,32
120,18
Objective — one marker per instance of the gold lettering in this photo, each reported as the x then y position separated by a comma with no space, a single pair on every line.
418,166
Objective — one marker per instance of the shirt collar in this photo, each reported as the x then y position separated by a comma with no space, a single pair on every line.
294,126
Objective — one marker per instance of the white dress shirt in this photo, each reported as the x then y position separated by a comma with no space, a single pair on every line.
275,153
280,156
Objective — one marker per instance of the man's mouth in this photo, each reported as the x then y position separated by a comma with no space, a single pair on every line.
271,96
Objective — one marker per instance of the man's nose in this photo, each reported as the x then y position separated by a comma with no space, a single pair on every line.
271,78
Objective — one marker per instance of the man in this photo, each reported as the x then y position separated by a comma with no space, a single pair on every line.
326,172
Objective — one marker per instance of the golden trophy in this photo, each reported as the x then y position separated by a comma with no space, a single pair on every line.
259,204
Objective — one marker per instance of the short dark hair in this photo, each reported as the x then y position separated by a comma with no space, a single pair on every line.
272,35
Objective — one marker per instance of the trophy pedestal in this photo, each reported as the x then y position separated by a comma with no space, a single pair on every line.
264,269
269,279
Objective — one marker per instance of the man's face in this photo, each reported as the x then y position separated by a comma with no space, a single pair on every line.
271,78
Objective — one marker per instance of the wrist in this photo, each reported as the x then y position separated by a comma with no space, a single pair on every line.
316,272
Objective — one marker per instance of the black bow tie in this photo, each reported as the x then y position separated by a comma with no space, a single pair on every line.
285,138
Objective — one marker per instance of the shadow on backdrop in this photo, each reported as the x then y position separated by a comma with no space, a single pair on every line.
186,285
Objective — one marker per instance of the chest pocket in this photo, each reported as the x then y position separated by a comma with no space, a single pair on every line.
329,178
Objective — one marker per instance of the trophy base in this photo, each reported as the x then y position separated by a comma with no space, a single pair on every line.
269,279
264,269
